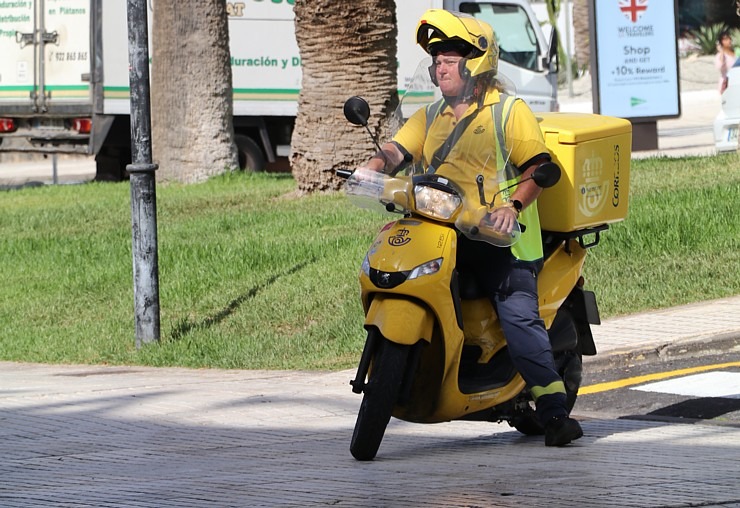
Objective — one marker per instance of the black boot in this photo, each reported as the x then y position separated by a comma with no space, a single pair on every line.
561,430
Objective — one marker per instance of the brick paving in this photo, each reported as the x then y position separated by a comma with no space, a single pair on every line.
93,436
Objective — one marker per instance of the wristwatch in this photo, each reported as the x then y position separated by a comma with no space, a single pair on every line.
517,205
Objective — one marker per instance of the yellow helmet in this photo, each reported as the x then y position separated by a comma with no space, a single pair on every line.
441,30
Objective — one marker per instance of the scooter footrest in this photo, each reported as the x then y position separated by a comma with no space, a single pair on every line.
357,386
476,377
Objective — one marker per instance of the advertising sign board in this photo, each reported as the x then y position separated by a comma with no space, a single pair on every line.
635,51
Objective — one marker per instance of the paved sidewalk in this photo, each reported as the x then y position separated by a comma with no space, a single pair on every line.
97,436
706,326
45,171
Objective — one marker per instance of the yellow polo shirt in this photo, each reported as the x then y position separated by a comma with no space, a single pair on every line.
474,153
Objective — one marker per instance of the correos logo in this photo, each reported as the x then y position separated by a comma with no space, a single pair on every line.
400,239
593,187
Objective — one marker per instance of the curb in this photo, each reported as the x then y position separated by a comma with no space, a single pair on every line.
664,351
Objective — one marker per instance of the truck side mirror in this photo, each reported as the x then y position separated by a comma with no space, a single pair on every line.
553,62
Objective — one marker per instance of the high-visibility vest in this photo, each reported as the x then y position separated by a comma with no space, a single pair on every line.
529,246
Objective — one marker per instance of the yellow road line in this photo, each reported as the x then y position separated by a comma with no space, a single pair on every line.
631,381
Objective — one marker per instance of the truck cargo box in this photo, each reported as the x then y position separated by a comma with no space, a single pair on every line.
64,73
594,153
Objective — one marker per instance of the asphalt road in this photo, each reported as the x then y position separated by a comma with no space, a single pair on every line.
685,389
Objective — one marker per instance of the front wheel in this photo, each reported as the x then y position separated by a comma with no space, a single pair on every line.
381,394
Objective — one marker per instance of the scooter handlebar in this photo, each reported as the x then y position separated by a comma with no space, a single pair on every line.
475,229
343,173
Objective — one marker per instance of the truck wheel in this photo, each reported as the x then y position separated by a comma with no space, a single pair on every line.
110,165
250,154
381,394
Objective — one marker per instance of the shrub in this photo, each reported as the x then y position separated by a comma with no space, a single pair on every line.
705,38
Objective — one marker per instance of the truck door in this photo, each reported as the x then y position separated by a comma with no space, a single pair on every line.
524,53
45,74
17,67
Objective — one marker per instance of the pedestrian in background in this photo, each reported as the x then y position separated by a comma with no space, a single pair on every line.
725,58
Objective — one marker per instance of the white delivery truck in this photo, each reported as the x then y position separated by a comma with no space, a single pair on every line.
64,72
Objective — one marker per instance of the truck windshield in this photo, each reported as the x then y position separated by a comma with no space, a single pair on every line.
514,32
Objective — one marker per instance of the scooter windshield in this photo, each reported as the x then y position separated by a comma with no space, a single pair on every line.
451,170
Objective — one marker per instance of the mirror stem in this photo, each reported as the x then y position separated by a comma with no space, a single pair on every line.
373,138
509,187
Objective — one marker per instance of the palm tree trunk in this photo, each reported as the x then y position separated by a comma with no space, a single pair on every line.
581,33
192,109
346,49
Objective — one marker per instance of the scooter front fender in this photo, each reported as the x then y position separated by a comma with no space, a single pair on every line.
400,320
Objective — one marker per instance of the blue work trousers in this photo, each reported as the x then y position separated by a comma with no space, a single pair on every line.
511,285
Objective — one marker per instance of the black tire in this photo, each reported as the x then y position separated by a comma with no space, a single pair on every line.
110,164
528,424
251,157
569,365
381,394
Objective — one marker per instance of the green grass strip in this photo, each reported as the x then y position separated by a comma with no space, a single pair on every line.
252,279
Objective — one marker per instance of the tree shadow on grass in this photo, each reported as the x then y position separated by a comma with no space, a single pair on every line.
186,326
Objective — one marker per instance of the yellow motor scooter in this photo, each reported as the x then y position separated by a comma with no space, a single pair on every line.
435,351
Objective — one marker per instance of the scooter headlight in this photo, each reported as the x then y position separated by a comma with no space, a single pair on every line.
428,268
365,267
436,203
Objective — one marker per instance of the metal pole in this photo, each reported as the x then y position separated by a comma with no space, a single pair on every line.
42,61
568,61
593,61
143,184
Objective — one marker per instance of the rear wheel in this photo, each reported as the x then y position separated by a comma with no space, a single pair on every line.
568,362
569,365
381,394
527,423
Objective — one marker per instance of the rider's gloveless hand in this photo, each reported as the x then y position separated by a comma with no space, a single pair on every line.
501,219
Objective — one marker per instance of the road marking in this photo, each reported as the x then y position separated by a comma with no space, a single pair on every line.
638,380
709,384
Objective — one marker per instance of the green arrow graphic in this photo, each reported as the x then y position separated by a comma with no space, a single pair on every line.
634,101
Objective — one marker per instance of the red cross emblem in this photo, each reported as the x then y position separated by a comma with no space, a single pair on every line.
633,9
